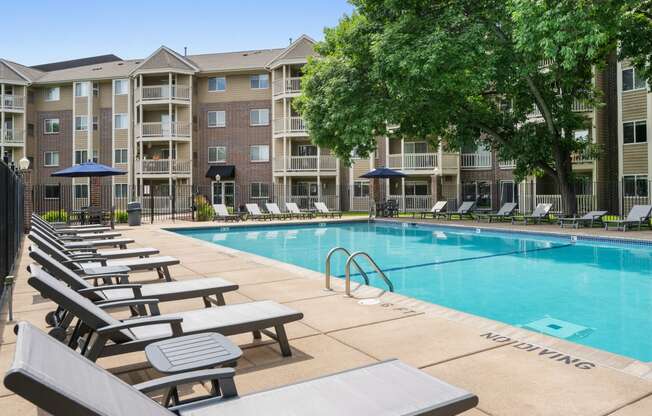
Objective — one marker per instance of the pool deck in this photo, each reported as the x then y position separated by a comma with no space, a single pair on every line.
513,371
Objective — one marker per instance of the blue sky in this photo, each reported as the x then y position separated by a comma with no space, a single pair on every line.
36,32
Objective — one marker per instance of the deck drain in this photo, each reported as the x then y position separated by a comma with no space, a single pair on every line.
558,328
368,302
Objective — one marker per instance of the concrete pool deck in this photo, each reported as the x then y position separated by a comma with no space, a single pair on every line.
513,371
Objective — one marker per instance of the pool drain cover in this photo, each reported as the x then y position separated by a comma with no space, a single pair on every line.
558,328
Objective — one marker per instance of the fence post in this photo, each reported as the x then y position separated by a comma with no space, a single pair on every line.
59,209
151,204
174,198
8,292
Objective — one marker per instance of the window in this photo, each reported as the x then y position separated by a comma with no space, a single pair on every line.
120,121
415,147
120,86
51,126
508,192
217,84
52,94
52,191
81,123
306,150
480,192
81,191
120,156
259,82
259,117
361,189
96,123
30,129
416,188
217,119
259,190
217,154
121,190
259,153
632,80
96,89
635,132
51,159
81,89
635,185
81,156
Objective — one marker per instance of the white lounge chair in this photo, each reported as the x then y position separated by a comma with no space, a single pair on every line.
294,210
254,213
638,216
222,213
323,210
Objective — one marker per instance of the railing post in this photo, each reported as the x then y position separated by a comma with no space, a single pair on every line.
8,292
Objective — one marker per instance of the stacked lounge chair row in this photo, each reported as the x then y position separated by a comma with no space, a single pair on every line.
274,212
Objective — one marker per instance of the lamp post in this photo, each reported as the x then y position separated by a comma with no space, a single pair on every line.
23,163
217,187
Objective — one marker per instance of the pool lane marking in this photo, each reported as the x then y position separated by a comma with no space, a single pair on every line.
436,263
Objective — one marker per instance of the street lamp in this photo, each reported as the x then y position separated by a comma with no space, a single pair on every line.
23,163
217,188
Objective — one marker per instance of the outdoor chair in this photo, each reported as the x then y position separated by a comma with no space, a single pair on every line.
254,213
73,229
391,208
638,216
540,213
68,384
222,213
42,241
73,243
505,212
98,334
587,220
464,211
86,234
295,211
276,211
437,210
323,211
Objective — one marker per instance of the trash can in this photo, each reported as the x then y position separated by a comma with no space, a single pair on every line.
134,213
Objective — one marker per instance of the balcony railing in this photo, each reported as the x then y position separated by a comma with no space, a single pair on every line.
13,102
417,203
305,202
177,129
289,125
579,106
585,203
476,160
308,163
581,157
413,161
290,85
162,166
507,164
14,136
162,92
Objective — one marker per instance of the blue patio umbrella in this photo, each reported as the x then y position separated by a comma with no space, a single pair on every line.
383,173
89,169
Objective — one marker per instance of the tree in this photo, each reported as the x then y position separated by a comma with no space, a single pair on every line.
635,35
463,72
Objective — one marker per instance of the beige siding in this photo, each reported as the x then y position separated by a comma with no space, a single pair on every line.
64,103
634,105
634,158
106,92
81,106
237,89
360,167
121,104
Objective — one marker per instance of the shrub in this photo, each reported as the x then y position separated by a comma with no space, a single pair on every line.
204,209
55,216
120,216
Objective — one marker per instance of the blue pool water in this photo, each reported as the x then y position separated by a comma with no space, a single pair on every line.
597,294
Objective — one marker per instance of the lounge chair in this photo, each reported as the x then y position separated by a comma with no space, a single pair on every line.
273,209
638,216
41,240
540,213
73,243
587,220
323,211
68,384
465,210
438,209
71,229
505,212
78,236
94,265
221,213
254,213
102,335
60,224
295,211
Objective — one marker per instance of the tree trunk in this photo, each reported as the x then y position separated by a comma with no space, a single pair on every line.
564,177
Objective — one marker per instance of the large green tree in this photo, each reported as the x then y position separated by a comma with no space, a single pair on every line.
635,36
465,72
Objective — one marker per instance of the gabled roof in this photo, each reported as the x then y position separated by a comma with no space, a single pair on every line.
12,73
165,58
234,61
297,51
92,60
106,70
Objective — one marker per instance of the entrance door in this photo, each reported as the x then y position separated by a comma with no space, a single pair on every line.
224,193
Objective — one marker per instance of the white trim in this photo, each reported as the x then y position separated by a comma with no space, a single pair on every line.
45,158
259,75
217,125
288,49
45,130
27,81
645,87
217,153
175,54
634,122
260,160
259,124
47,89
208,84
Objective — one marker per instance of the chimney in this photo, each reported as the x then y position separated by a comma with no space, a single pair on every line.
185,51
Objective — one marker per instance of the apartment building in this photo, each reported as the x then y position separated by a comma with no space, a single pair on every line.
224,125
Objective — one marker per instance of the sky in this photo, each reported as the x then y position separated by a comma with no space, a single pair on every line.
36,32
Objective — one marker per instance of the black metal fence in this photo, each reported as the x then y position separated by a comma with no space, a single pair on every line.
11,219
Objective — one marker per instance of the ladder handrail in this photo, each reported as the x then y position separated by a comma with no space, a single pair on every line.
347,271
327,271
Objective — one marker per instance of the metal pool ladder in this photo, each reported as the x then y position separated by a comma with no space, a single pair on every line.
347,269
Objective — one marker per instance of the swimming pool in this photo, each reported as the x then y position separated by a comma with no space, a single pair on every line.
593,293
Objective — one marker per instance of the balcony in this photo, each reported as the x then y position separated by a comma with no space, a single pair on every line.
578,107
286,86
323,163
413,161
162,92
476,160
507,164
12,102
289,125
162,167
13,137
177,129
581,157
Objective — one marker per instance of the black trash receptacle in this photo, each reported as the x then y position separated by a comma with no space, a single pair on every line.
134,213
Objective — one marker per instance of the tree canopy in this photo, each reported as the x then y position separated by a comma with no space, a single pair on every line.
465,72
